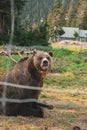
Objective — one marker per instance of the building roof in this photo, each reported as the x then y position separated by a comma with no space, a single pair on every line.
69,32
82,33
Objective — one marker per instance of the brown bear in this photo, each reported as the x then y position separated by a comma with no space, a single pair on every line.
29,71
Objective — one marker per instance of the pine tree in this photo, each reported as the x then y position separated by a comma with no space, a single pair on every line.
5,13
56,13
76,35
82,15
71,14
5,17
83,25
56,17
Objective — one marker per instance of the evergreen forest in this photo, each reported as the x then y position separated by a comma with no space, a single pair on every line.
35,19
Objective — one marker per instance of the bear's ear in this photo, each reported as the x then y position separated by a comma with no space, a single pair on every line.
34,52
51,54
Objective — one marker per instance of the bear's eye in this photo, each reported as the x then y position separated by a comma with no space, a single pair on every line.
48,58
40,58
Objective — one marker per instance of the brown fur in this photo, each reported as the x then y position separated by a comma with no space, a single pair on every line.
76,128
27,71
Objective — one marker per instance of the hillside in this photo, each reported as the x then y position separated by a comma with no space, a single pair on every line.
36,9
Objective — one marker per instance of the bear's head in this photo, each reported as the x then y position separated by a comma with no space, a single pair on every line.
42,61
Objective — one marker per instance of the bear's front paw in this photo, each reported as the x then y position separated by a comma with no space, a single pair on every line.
40,112
50,107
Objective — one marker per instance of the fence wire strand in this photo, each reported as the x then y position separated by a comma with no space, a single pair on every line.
45,89
70,104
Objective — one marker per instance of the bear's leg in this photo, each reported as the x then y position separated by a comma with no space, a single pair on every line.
11,109
31,110
42,104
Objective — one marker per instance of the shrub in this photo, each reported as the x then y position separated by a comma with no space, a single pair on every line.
34,36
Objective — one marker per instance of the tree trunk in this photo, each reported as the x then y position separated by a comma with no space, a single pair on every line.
0,23
3,23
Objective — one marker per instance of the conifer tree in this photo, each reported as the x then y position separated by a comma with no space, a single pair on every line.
82,15
5,13
56,16
71,14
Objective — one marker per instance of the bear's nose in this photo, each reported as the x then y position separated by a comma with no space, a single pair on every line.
45,62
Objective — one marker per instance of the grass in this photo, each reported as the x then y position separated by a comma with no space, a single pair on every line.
69,72
4,62
71,68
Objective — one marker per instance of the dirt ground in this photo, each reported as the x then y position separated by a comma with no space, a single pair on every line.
56,119
60,118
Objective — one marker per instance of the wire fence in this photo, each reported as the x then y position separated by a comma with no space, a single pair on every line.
4,99
62,91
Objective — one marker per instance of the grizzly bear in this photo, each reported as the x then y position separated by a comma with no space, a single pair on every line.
29,71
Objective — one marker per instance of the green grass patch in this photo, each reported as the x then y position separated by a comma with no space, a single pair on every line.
69,65
70,72
85,120
5,62
60,52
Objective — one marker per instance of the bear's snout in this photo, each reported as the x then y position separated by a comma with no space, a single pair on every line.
45,62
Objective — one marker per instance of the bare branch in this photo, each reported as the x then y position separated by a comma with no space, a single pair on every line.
19,53
10,57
